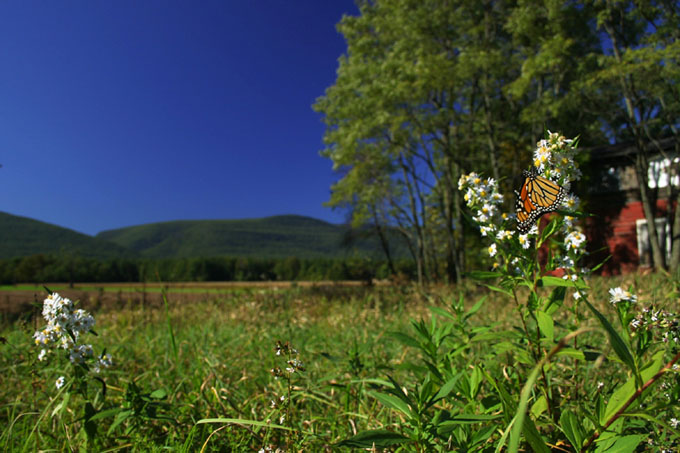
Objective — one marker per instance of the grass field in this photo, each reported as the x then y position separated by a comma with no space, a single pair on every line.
196,373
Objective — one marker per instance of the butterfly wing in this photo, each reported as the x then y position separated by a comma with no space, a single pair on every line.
537,196
545,194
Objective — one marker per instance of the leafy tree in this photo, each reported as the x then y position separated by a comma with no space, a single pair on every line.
400,117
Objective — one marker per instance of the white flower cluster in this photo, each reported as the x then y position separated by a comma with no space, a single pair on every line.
65,325
554,158
667,322
575,241
294,365
483,198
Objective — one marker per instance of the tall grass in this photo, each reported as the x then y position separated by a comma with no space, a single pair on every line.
351,341
225,349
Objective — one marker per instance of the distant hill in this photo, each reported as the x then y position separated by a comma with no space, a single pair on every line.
22,236
270,237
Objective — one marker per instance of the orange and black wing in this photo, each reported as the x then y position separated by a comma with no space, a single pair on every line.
537,196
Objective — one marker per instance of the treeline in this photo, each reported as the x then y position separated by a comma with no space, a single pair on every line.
52,268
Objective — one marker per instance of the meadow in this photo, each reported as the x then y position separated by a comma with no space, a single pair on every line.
537,353
399,367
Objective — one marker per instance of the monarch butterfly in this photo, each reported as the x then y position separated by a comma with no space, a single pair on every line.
537,196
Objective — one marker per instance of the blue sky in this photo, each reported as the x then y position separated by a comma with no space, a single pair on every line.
129,112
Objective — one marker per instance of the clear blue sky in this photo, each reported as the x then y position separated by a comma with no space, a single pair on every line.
117,113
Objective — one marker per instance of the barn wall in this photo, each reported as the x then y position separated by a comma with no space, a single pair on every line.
612,231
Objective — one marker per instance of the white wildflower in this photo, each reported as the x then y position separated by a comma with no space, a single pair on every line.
492,250
524,241
504,234
574,241
618,294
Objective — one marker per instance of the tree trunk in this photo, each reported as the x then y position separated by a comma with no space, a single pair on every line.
421,262
648,207
383,239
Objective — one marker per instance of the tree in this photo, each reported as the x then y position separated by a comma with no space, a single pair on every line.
417,102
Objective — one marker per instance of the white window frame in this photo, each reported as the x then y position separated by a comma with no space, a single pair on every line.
643,245
659,172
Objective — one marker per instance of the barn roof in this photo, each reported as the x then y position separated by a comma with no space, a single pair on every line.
628,149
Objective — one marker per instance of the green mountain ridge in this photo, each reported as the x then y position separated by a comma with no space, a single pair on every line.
269,237
23,236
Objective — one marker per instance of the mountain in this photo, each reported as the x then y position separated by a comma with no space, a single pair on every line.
22,236
270,237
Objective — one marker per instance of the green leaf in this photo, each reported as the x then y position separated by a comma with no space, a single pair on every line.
374,381
158,394
481,436
61,407
472,418
549,280
524,424
571,428
476,379
446,388
397,390
540,406
405,339
573,353
240,421
620,347
618,399
556,300
627,444
107,413
441,312
89,426
653,366
521,354
392,402
465,419
483,275
120,418
546,325
475,308
381,438
499,290
625,391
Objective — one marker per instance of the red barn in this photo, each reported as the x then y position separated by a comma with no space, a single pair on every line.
618,226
